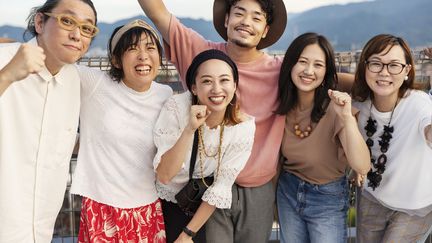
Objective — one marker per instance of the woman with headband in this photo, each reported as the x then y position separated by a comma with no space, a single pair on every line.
114,171
225,137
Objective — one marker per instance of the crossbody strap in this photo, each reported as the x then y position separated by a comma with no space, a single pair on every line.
194,154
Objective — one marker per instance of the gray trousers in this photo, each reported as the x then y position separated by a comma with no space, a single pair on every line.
377,223
249,219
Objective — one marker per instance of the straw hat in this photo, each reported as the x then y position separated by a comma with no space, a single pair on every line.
276,30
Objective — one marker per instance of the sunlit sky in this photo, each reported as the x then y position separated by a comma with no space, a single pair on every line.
15,12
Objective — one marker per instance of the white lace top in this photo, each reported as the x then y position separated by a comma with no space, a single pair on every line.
236,149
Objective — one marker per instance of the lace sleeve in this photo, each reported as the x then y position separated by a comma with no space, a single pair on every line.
234,159
167,129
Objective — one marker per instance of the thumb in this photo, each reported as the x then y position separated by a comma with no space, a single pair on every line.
208,112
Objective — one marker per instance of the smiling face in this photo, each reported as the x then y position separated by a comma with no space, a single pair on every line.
383,84
214,86
309,71
63,46
246,24
140,64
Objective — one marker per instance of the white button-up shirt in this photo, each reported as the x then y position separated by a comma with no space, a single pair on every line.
38,125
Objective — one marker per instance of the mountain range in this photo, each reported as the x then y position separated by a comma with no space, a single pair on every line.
348,26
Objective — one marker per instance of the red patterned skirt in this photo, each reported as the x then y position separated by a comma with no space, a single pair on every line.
103,223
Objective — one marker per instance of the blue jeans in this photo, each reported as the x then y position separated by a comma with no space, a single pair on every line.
312,213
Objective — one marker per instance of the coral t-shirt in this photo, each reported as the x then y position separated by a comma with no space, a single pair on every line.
257,92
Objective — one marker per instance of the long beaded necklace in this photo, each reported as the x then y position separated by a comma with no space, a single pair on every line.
379,163
202,152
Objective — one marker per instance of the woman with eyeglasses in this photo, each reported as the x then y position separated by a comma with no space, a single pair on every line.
114,172
395,203
321,142
39,110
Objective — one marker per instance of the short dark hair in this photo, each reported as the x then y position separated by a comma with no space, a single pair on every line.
47,7
288,96
266,5
128,39
378,43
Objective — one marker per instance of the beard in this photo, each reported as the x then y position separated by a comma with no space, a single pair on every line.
242,44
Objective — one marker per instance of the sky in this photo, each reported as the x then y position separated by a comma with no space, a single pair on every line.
15,12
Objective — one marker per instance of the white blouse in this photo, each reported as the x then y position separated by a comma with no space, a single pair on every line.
236,149
116,145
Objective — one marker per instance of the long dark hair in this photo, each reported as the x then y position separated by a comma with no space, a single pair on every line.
378,43
47,7
288,95
128,39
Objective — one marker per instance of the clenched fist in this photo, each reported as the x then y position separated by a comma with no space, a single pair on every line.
198,115
29,59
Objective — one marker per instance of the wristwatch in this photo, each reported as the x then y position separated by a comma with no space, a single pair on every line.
189,232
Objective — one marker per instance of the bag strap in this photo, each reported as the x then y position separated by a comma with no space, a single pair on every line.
194,154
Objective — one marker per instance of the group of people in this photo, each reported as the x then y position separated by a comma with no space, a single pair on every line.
246,116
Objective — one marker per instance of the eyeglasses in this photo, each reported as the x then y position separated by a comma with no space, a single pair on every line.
393,68
68,22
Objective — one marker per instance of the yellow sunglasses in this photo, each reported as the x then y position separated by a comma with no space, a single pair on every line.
68,22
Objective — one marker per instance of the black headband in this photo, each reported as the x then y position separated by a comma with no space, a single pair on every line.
205,56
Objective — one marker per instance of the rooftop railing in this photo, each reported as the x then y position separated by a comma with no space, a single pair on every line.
346,62
67,224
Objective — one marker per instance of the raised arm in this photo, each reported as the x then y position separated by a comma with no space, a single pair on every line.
29,59
352,141
172,160
159,15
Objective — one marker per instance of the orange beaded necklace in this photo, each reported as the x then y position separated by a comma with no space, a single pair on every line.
297,129
300,133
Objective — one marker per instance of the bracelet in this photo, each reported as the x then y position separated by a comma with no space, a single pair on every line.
189,232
